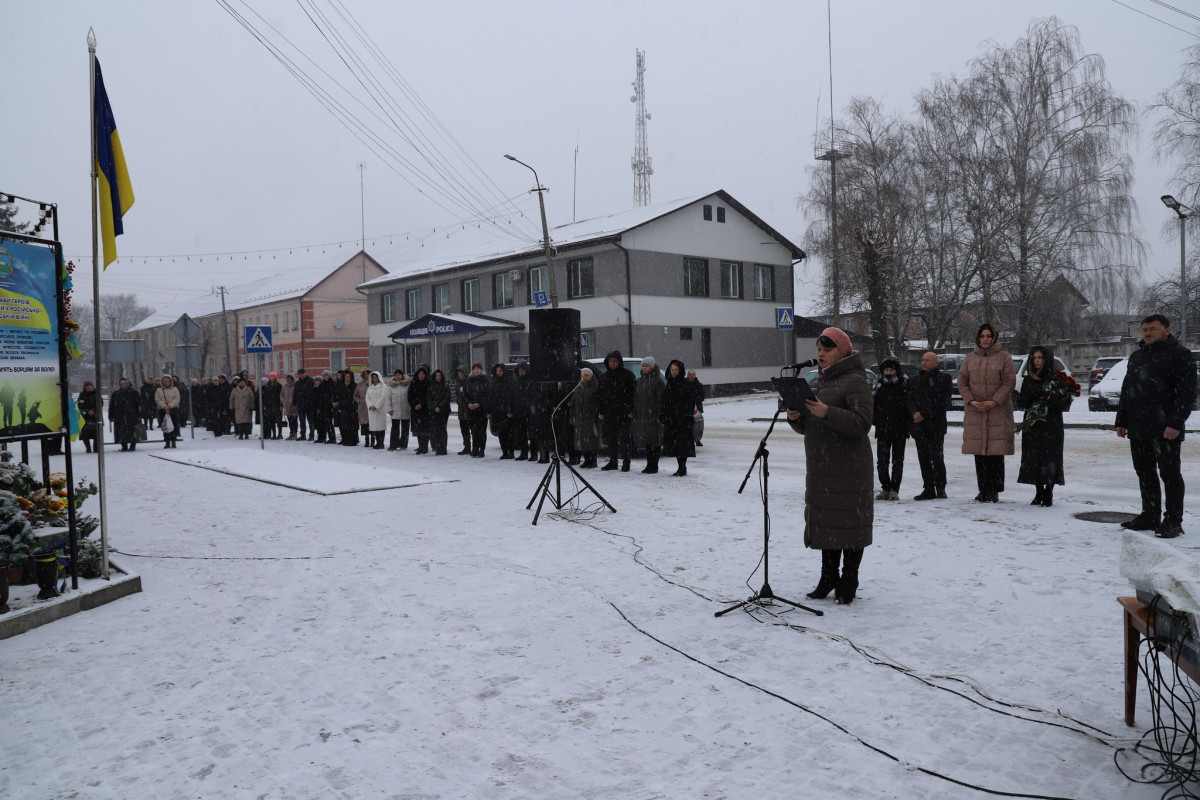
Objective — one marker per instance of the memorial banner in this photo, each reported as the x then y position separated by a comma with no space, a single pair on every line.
29,360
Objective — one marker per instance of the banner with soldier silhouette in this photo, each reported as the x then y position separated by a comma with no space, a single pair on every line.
30,403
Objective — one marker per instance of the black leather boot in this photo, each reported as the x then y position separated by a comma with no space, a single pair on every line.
1048,495
848,584
1039,497
682,462
652,460
829,575
611,465
625,465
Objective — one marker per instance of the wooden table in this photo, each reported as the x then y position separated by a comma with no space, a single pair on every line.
1139,622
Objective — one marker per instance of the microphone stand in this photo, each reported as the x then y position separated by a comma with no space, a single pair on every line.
764,595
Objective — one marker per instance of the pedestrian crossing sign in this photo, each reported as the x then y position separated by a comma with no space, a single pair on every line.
258,339
784,319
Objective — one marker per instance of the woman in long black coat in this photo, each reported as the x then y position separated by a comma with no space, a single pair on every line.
88,403
346,410
681,400
125,412
418,401
438,399
1042,440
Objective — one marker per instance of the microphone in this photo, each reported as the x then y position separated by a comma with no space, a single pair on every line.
812,362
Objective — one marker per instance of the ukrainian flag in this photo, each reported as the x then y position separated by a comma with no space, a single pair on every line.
116,193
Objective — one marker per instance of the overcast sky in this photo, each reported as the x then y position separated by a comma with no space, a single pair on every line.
228,153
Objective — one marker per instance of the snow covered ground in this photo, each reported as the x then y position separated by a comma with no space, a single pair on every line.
429,642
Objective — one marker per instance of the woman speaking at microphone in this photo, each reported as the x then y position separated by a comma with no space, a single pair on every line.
838,508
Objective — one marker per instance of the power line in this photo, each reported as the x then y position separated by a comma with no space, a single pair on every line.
1156,19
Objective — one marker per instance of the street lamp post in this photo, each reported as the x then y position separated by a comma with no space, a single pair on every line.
1173,204
545,229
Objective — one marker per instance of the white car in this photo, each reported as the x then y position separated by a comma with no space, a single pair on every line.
1106,395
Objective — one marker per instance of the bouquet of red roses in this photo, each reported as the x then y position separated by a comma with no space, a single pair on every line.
1062,387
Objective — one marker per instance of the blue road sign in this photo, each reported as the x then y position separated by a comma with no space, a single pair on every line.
583,339
541,299
258,339
784,319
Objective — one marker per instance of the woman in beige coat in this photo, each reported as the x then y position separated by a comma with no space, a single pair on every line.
986,381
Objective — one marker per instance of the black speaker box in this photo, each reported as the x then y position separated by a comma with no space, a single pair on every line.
553,344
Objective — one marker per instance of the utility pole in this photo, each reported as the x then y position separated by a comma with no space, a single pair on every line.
545,229
642,164
225,324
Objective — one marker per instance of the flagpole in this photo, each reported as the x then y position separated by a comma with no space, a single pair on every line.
91,40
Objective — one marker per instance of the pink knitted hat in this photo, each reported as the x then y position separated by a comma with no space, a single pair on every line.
839,338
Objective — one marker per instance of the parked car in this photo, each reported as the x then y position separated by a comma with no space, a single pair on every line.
1019,369
1106,395
951,362
1100,369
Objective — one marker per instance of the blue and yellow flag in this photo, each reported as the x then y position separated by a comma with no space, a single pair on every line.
116,193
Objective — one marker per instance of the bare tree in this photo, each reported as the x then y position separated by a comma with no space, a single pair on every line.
1066,174
873,213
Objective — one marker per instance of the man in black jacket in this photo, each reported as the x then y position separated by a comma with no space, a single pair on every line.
615,400
928,396
1156,398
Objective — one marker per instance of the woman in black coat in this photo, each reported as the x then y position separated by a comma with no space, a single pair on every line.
438,400
681,401
88,403
891,418
125,412
345,408
418,392
1044,398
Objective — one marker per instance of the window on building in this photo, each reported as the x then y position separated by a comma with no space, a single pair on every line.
580,278
538,282
285,321
731,279
295,319
414,356
470,295
708,213
387,307
460,354
695,277
685,334
706,347
491,355
275,321
720,214
764,282
337,360
502,290
441,298
389,356
412,303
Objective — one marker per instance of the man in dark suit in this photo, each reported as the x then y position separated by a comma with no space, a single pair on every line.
928,397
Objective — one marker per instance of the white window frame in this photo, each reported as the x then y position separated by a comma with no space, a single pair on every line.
731,280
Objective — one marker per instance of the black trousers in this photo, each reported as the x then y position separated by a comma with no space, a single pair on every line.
989,472
1155,459
890,450
931,457
618,435
479,426
464,427
399,437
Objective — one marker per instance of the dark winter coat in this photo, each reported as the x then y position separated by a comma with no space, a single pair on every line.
302,395
929,393
1159,390
584,408
418,401
502,393
147,394
988,374
1042,443
891,416
438,399
125,412
648,399
475,391
618,389
88,403
680,403
839,465
272,401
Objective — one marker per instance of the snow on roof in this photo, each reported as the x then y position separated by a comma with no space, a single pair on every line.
280,286
474,246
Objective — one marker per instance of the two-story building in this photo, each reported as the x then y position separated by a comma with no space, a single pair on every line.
318,320
700,279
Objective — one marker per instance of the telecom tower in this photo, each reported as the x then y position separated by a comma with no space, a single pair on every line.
642,164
